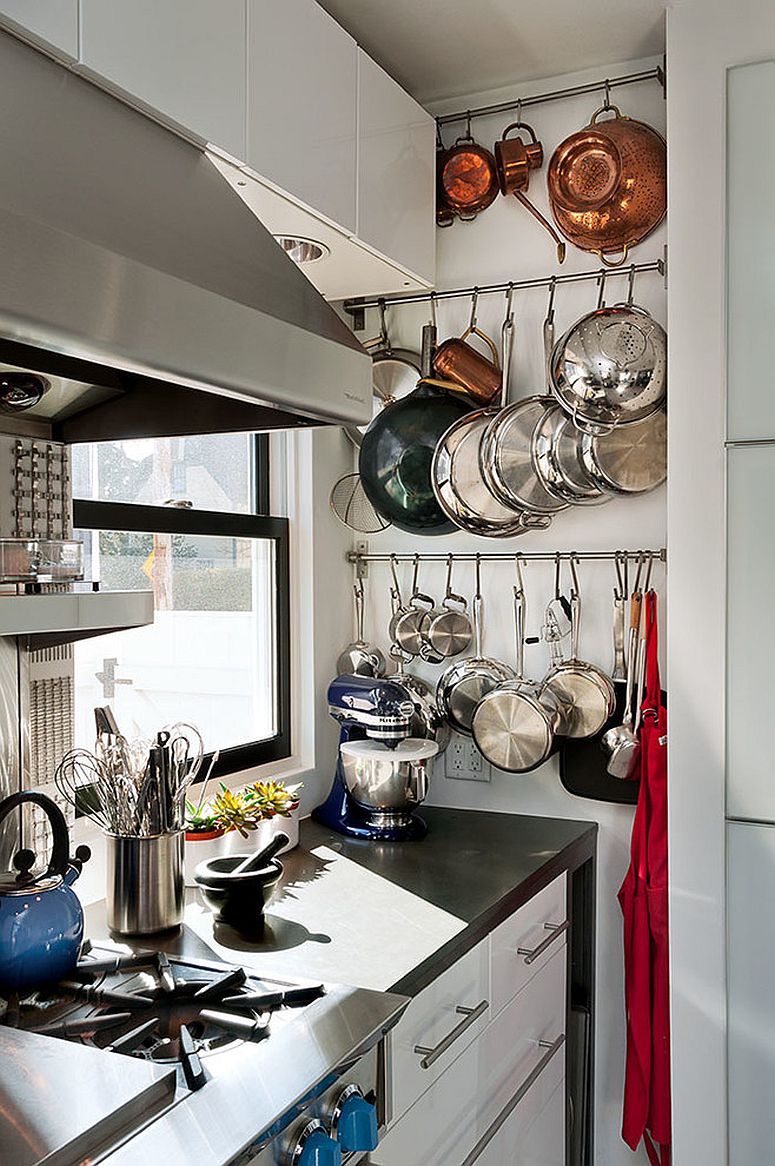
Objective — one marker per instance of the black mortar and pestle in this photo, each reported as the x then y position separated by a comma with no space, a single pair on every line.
237,887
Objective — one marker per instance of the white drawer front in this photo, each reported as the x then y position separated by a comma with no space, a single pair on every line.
458,1112
443,1020
534,1135
534,928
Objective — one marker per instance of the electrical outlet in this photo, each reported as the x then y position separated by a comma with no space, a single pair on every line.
464,762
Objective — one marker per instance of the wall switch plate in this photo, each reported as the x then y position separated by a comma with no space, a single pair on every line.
463,761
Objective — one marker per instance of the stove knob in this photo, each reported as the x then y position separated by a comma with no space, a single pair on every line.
354,1122
314,1147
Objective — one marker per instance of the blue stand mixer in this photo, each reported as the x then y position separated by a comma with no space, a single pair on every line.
382,772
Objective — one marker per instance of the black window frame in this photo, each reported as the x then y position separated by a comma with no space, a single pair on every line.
259,524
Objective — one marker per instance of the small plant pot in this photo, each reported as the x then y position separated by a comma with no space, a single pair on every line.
236,843
201,845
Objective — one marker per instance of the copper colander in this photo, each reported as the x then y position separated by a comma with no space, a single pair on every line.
607,184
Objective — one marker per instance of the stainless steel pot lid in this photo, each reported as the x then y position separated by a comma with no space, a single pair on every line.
557,463
394,375
506,461
410,749
610,368
511,729
463,694
460,488
629,460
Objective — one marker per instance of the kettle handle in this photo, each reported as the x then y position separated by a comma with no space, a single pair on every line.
60,848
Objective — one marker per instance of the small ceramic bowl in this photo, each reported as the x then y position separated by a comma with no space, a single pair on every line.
238,900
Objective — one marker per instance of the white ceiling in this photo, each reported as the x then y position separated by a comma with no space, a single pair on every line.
452,48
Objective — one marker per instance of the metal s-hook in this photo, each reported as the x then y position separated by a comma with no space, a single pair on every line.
630,285
620,590
384,339
557,575
519,590
478,576
647,582
474,302
434,321
601,278
468,134
394,573
607,95
573,563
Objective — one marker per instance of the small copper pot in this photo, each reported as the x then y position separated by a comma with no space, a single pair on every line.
457,361
607,185
466,179
515,159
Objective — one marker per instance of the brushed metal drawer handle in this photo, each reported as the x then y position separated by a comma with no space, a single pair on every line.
470,1016
532,953
552,1047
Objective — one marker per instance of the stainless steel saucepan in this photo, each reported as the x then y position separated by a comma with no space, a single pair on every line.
590,693
514,727
464,683
447,629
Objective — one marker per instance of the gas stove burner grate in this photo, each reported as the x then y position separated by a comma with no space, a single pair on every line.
160,1008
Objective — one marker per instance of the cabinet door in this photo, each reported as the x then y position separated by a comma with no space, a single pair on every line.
302,93
750,250
750,631
529,1138
751,1003
396,171
184,59
55,22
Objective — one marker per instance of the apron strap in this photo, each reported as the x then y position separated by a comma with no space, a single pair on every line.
653,694
654,1154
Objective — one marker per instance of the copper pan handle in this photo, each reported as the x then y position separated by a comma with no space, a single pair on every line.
473,330
535,212
615,262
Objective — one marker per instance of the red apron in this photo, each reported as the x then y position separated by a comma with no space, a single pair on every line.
643,899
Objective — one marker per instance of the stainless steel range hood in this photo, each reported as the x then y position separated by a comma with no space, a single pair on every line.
139,286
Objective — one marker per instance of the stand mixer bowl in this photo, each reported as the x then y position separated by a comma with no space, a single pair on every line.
387,783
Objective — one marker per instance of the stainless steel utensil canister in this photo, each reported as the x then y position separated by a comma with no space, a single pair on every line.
145,886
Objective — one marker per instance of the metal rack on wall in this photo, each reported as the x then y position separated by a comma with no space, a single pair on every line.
360,557
357,307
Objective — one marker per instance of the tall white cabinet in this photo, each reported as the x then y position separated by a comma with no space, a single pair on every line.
721,620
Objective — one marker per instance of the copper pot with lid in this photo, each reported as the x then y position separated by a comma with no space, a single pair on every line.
607,184
466,179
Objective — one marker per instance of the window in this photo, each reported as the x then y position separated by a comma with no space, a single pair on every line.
186,517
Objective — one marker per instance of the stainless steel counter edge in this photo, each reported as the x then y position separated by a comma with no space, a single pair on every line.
219,1124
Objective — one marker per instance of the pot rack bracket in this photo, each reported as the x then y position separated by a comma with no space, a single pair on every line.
360,556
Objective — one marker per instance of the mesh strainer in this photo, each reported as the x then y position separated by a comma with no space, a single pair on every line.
351,506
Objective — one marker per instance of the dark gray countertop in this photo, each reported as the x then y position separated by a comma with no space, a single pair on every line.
390,916
479,867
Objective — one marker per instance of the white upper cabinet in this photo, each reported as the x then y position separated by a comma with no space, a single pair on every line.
302,105
750,251
52,22
184,59
396,159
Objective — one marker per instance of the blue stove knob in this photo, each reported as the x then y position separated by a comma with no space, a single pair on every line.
355,1122
314,1147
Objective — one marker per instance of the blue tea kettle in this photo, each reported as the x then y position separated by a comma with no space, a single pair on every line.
41,918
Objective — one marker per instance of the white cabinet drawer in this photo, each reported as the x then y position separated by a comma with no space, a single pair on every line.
534,1135
525,942
505,1062
439,1021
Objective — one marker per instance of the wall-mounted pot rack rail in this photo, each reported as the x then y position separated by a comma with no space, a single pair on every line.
357,307
520,103
361,557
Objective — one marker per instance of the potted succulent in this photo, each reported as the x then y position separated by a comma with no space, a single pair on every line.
204,837
243,820
265,809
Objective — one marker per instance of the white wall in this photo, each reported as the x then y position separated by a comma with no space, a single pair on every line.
505,243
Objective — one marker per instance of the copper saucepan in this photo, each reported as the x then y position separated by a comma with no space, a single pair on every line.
466,179
607,184
514,160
